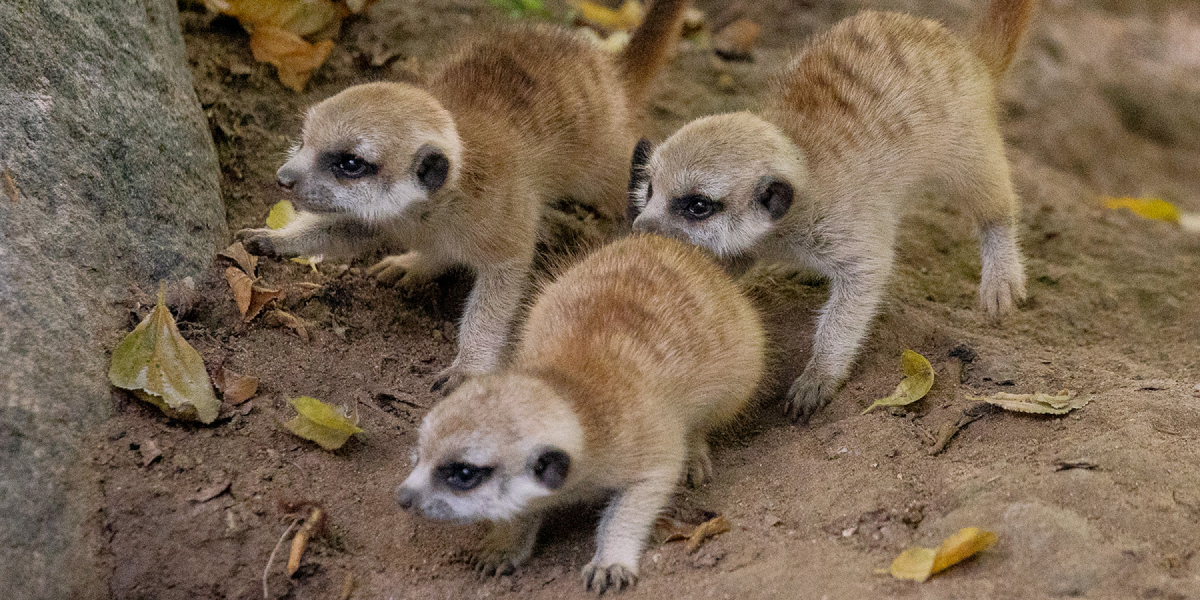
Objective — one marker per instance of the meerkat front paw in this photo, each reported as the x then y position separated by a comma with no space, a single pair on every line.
809,394
601,578
1001,289
488,561
407,269
700,468
257,241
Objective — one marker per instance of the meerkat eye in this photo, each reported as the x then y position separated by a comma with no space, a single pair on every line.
463,476
349,166
695,207
649,191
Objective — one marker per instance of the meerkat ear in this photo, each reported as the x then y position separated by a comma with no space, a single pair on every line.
431,168
775,196
550,466
638,174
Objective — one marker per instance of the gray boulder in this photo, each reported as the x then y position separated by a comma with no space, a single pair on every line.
108,177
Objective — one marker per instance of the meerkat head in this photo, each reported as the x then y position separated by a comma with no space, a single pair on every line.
499,446
372,151
721,182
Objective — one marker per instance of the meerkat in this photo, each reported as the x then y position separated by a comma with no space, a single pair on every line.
459,172
869,112
626,363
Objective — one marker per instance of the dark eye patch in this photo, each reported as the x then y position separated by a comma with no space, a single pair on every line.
350,166
462,476
696,207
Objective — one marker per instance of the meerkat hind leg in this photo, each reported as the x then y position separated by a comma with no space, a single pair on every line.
508,545
623,530
854,297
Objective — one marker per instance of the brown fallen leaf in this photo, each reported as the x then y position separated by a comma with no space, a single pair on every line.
210,492
237,253
919,564
312,524
250,298
736,41
710,528
283,318
1061,403
670,529
235,388
150,452
293,57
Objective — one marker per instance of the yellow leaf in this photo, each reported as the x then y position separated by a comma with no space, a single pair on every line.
281,214
159,366
1039,403
293,57
918,378
309,261
301,17
623,19
1147,208
320,423
919,564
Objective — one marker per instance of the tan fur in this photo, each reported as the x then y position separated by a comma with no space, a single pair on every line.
524,116
863,119
626,363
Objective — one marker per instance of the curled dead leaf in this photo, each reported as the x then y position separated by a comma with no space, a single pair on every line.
918,378
1061,403
710,528
919,564
159,366
250,298
293,57
235,388
238,254
319,422
282,318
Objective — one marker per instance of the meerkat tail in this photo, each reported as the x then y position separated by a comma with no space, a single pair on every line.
650,47
999,34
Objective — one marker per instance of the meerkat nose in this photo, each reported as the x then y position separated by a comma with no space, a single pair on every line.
285,183
286,177
407,497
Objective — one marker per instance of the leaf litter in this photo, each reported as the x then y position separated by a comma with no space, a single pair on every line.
919,564
918,378
160,367
235,388
1061,403
319,422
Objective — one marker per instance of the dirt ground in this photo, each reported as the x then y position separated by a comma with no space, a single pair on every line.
1104,100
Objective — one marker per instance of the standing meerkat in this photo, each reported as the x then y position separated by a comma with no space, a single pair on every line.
626,363
877,107
459,172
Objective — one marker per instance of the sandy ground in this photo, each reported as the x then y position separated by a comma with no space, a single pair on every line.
1104,100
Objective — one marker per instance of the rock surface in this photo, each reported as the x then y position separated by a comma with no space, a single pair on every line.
108,178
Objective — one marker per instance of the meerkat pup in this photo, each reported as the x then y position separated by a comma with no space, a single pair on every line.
458,173
870,112
625,364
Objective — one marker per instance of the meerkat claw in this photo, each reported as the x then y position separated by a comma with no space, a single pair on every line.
613,577
806,396
448,380
257,241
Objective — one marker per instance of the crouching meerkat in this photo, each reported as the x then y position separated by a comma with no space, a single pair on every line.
869,112
459,172
625,364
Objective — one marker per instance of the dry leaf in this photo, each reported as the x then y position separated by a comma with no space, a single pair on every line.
300,542
625,18
150,452
250,298
242,286
210,492
294,57
1147,208
670,529
159,366
918,378
283,318
1040,403
237,253
301,17
235,387
918,564
321,423
710,528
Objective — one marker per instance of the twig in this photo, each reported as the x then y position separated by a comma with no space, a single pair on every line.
300,542
348,587
271,559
